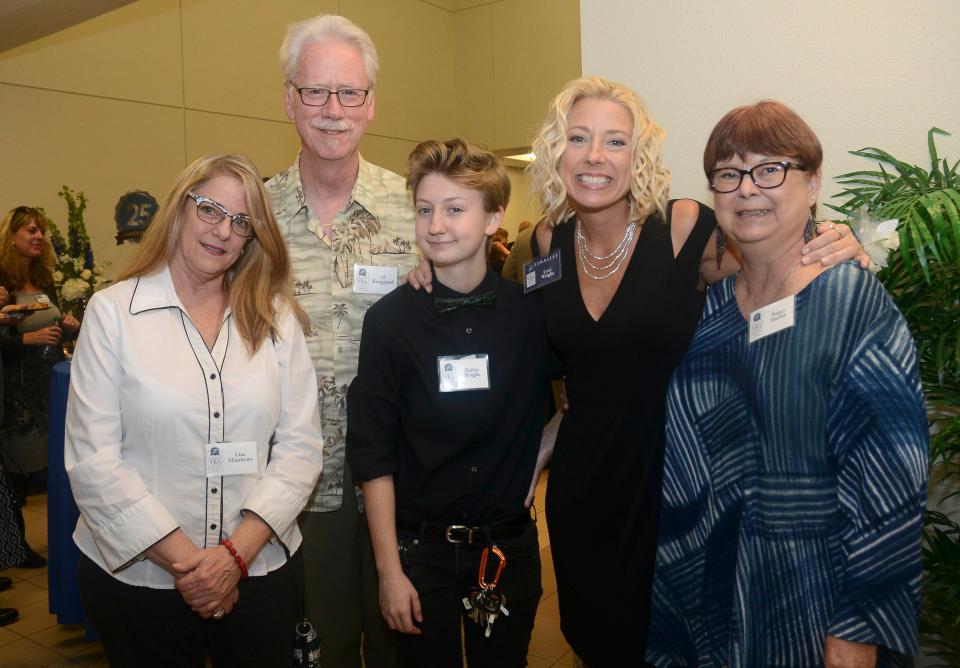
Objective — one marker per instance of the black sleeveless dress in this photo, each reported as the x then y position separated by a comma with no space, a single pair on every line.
603,495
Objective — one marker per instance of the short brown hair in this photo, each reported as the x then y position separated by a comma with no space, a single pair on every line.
467,164
766,128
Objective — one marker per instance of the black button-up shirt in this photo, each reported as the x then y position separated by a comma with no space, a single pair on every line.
457,457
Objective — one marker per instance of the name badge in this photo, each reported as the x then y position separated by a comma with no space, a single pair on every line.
43,299
541,271
373,280
225,459
771,319
463,372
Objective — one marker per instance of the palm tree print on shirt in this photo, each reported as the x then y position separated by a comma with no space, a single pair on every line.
325,386
347,235
340,311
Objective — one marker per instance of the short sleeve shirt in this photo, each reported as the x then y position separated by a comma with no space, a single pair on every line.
375,228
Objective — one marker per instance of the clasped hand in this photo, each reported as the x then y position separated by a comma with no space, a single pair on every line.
207,580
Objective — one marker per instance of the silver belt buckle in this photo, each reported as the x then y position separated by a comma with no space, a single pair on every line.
456,527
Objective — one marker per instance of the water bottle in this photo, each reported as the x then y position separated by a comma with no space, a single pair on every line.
306,646
49,350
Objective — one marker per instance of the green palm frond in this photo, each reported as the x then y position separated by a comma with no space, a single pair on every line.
923,277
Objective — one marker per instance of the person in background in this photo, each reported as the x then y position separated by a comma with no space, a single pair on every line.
350,231
30,346
12,543
795,472
445,422
497,250
193,435
520,254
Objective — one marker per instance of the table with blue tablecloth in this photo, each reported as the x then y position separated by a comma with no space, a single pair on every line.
62,513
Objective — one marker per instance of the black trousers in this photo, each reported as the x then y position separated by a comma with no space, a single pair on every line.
442,573
144,627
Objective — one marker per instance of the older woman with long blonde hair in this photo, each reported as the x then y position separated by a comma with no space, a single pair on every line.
192,437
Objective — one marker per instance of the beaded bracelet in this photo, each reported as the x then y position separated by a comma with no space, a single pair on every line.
236,555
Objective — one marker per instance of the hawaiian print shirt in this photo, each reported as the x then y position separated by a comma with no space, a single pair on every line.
375,228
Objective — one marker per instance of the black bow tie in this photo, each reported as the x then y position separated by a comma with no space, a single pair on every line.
447,304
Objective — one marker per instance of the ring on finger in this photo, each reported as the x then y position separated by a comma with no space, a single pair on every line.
218,613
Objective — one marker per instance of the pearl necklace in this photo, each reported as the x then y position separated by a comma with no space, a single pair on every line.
609,263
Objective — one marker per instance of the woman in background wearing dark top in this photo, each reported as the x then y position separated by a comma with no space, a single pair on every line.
12,545
30,347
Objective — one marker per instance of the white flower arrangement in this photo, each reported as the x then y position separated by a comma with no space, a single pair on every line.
74,289
76,274
878,238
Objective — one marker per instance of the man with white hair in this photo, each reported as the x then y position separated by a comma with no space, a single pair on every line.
350,230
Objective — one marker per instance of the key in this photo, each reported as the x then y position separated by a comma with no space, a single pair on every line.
473,603
493,606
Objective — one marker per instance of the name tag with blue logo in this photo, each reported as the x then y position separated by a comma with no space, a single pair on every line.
457,373
771,319
370,279
225,459
541,271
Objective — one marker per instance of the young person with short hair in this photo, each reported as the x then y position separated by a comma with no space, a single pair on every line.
446,414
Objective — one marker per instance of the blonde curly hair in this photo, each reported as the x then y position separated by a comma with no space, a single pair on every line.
650,183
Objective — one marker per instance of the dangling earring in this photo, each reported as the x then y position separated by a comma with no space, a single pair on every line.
810,230
721,245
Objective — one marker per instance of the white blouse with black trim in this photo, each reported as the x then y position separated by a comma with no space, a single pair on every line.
146,396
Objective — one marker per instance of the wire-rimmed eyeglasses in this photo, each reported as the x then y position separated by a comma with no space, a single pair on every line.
765,175
212,212
314,96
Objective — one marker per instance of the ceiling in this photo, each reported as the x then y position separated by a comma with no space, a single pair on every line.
23,21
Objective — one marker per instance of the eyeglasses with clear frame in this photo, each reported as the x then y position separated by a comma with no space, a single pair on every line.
212,212
314,96
766,175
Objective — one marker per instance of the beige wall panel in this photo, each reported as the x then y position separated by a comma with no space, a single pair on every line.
230,53
387,152
449,5
132,53
882,74
106,149
272,145
476,92
467,4
416,86
536,50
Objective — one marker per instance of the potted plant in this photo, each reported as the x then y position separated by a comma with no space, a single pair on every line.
923,277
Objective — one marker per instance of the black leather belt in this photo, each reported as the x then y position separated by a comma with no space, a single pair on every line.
460,533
